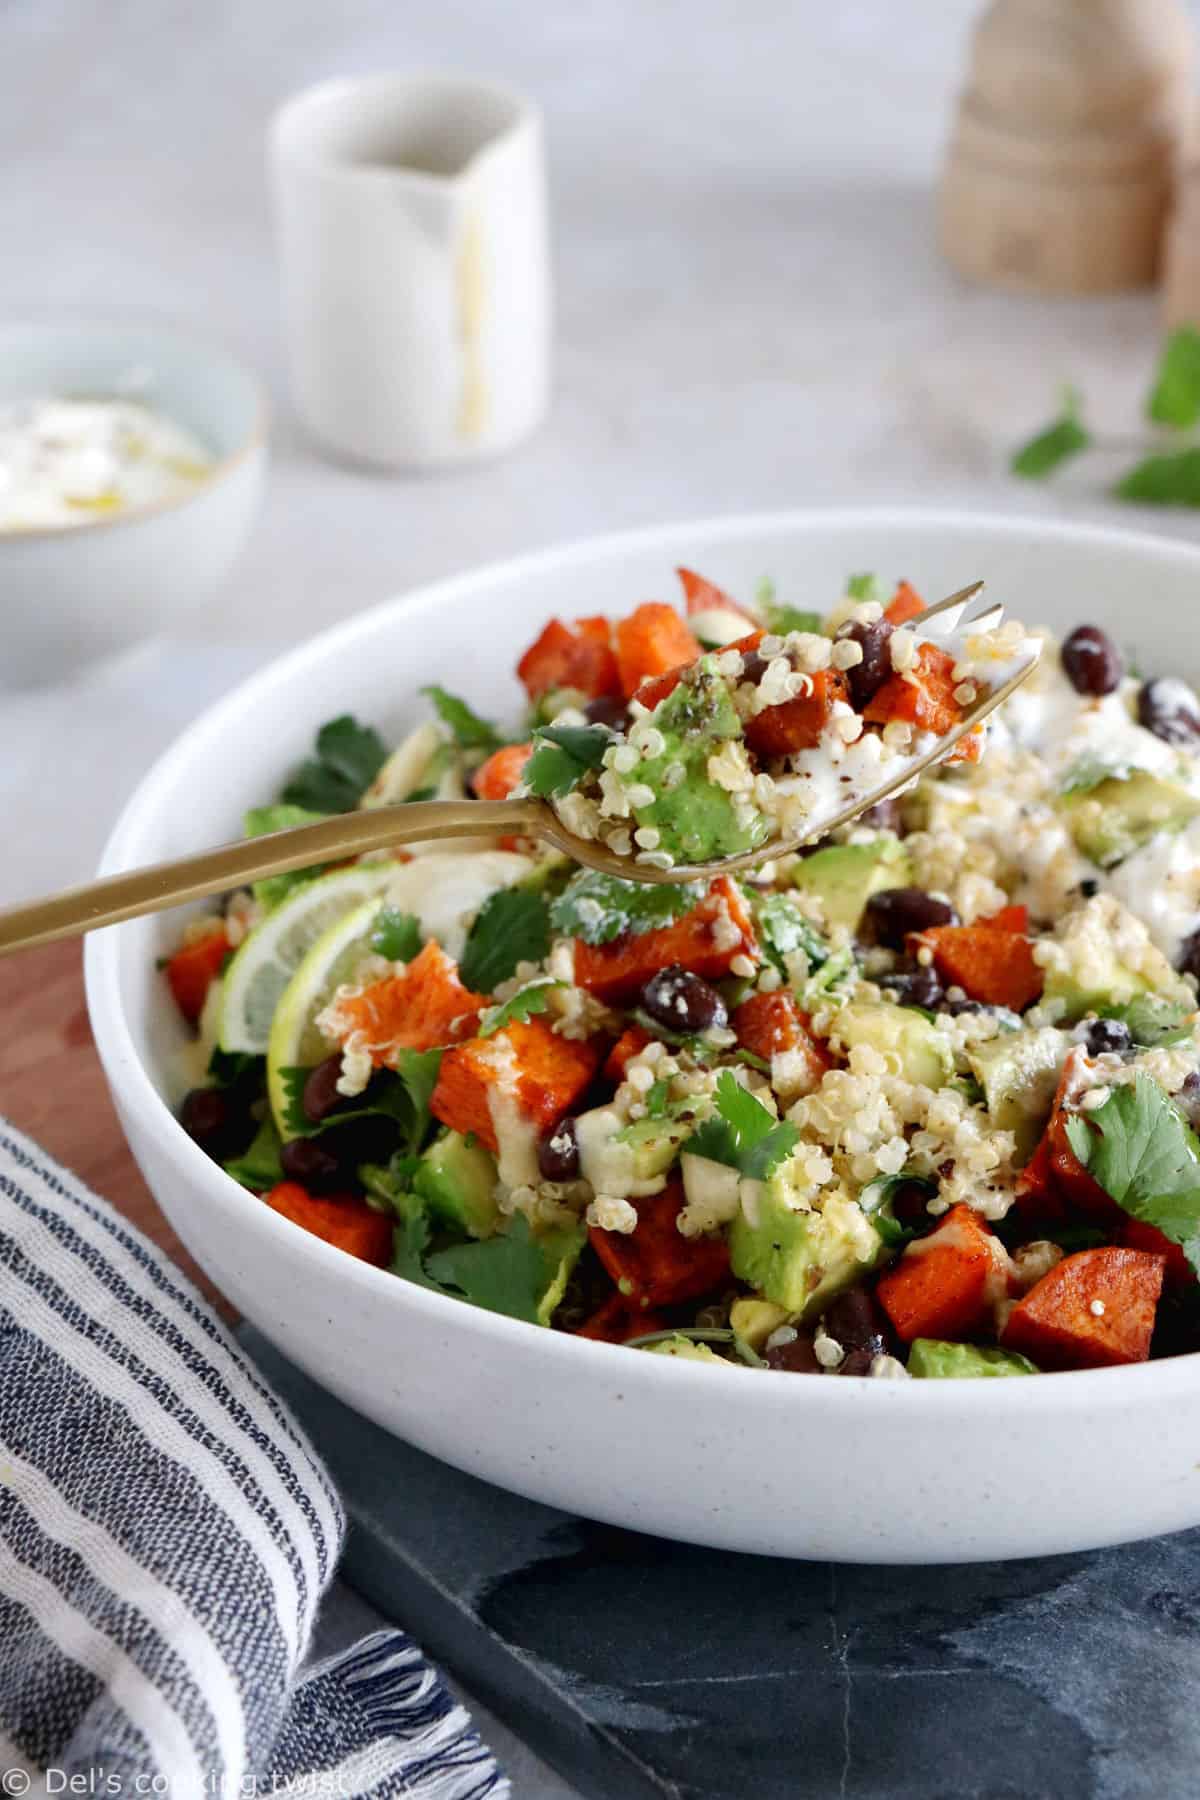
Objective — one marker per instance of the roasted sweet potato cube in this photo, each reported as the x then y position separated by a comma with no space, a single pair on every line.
564,656
496,778
944,1284
704,596
904,605
536,1070
631,1042
1092,1310
705,940
798,724
652,640
617,1321
772,1024
340,1219
421,1009
655,1265
927,701
990,964
195,966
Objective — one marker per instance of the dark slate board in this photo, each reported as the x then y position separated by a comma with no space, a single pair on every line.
643,1669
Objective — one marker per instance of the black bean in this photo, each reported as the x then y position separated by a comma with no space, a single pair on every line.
208,1117
856,1321
957,1007
1091,661
310,1163
1188,959
867,677
1106,1036
682,1001
915,985
754,666
858,1362
558,1152
910,1206
320,1096
796,1356
1169,708
1089,887
892,913
608,710
1188,1100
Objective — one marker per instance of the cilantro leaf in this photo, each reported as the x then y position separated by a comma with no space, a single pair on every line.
348,758
562,756
1089,770
1175,397
782,619
281,817
402,1097
513,1273
396,935
236,1068
470,731
784,930
512,926
523,1005
258,1167
598,908
1172,480
410,1241
1152,1021
742,1133
1065,438
862,587
1145,1156
876,1201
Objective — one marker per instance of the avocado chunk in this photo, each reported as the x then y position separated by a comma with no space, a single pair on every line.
458,1180
696,818
843,877
801,1260
1101,957
1117,816
753,1321
932,1360
684,1346
914,1047
627,1159
563,1246
1018,1072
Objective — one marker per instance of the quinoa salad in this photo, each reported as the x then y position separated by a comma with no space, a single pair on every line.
918,1101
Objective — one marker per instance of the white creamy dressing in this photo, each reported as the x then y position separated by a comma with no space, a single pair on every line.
67,462
1159,883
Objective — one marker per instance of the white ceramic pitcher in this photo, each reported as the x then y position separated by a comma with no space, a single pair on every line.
411,216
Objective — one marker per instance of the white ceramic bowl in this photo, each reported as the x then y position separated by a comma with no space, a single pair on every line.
853,1469
76,593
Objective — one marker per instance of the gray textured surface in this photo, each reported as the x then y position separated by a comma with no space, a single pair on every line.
751,314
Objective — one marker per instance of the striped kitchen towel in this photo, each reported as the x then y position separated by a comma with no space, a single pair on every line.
166,1534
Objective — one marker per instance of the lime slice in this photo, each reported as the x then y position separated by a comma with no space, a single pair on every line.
274,950
295,1042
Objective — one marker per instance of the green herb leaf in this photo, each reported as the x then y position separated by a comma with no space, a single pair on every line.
470,731
658,1099
1140,1149
1089,770
1175,397
396,935
348,758
236,1068
258,1167
782,619
784,930
562,756
402,1097
1163,480
513,1273
410,1242
742,1133
512,926
862,587
876,1201
1152,1021
281,817
1057,444
598,908
523,1005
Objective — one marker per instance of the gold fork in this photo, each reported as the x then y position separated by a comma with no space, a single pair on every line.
349,835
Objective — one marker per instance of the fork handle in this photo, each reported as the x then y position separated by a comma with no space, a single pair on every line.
337,839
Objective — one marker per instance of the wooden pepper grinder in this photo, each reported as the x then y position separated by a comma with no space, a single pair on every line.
1060,168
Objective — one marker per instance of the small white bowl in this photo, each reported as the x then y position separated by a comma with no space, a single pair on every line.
852,1469
74,593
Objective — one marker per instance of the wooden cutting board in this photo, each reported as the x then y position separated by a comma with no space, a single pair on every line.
53,1087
